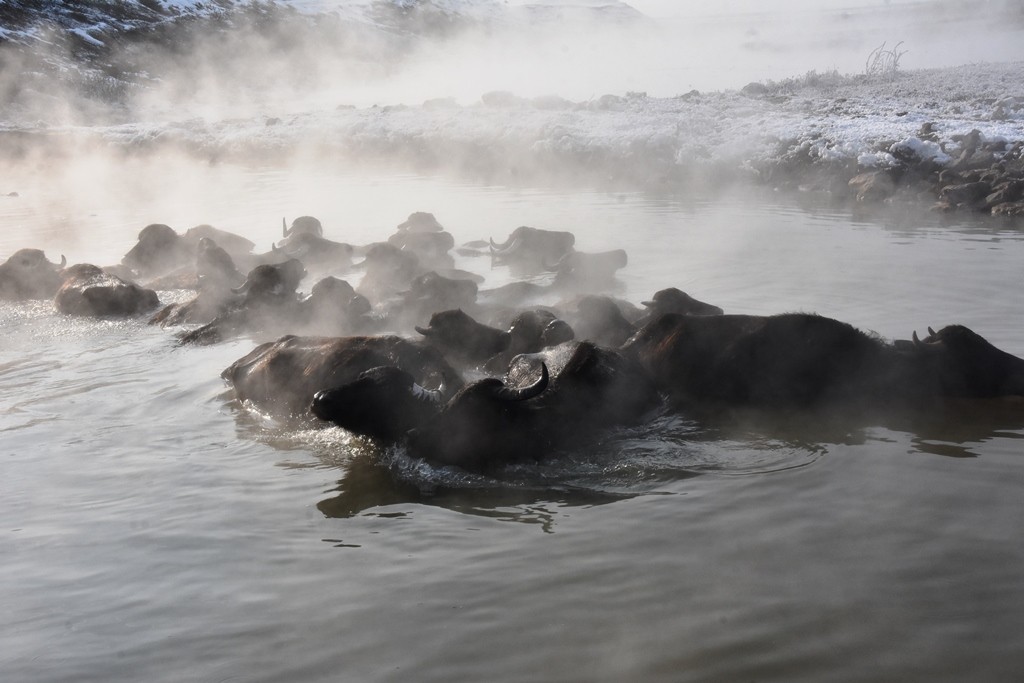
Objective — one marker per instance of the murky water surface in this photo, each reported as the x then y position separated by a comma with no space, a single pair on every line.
153,531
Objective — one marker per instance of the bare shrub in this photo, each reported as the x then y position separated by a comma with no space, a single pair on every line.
884,63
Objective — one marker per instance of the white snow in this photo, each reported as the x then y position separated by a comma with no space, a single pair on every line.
852,118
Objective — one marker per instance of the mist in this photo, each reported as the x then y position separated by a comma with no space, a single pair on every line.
614,95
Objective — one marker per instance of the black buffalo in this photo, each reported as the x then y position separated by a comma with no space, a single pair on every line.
27,274
535,411
800,360
674,300
493,422
283,376
459,336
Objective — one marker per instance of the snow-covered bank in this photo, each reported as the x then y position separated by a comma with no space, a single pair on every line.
819,130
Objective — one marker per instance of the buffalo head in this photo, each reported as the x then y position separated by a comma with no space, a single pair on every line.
420,221
27,274
458,334
303,225
485,424
272,282
159,250
384,403
673,300
956,362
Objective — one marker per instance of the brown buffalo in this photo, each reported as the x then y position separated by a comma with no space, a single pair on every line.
88,290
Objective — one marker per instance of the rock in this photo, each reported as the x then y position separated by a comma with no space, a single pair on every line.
1008,191
967,193
873,185
1008,209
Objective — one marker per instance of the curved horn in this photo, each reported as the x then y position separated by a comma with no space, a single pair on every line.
63,261
429,395
525,393
284,227
931,332
499,247
425,331
913,336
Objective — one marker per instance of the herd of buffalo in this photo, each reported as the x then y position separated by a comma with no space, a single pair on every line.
420,353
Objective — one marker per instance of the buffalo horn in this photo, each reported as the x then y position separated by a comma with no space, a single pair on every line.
431,395
524,393
284,227
913,336
499,247
425,331
931,332
63,261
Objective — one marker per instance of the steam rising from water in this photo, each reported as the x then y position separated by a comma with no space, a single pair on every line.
231,80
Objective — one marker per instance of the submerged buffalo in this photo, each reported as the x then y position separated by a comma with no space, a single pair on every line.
533,249
801,360
674,300
494,422
158,251
531,414
27,274
282,376
90,291
459,336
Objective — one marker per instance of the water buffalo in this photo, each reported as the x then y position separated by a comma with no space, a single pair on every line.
303,225
673,300
237,246
27,274
492,422
529,332
428,294
272,282
265,303
420,221
159,251
387,271
215,269
316,251
384,403
216,279
601,320
458,336
431,248
88,290
333,307
531,249
798,360
283,376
